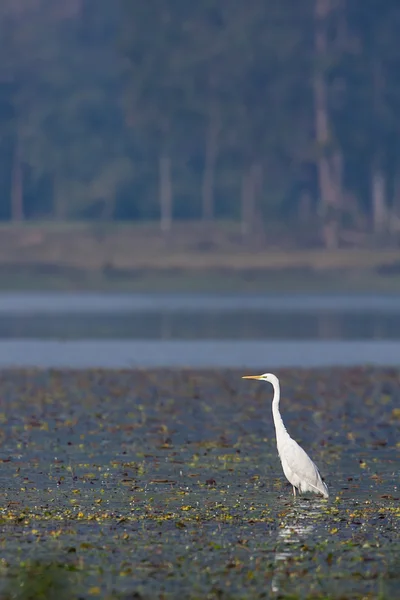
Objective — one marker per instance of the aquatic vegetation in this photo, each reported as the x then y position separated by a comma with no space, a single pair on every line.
162,484
39,581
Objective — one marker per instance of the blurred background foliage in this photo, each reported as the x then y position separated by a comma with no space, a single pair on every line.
229,110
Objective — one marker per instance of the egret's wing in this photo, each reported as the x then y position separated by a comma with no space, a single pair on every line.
301,464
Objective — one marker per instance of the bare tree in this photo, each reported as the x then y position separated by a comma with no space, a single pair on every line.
329,160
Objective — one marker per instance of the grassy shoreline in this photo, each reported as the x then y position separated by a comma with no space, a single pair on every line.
192,257
200,281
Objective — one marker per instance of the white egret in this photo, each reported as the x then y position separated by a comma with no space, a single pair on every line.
298,467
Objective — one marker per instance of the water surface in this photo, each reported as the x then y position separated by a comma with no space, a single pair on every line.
161,330
168,483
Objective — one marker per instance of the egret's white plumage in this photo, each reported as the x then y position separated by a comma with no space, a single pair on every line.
298,467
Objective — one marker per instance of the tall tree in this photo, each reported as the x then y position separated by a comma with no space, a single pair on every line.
329,161
367,120
152,41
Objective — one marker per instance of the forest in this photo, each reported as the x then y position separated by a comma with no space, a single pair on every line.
216,110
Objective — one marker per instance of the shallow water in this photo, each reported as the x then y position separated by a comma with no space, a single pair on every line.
169,482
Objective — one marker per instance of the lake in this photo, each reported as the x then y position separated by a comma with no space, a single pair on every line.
166,330
165,483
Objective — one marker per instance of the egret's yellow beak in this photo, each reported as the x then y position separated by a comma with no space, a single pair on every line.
252,377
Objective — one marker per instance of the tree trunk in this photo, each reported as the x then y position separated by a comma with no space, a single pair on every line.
211,150
165,193
246,205
328,167
59,195
393,221
379,209
396,194
17,192
108,208
378,191
248,201
257,176
304,208
251,188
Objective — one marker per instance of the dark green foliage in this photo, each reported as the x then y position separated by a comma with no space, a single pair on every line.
93,97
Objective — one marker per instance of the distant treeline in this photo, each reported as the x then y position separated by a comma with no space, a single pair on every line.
201,110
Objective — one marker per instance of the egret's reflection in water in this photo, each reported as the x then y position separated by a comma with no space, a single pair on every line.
295,527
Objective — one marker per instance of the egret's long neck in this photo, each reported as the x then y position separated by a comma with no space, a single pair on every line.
279,426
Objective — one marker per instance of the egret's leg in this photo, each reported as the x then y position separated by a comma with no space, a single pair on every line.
294,491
